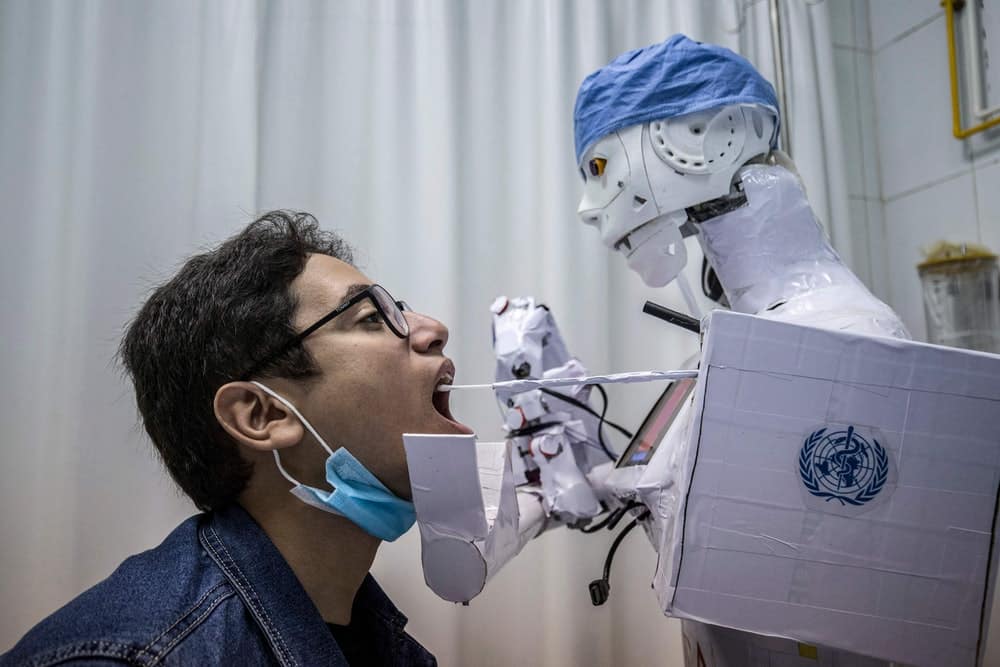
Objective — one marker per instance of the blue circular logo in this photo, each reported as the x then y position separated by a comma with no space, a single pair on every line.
843,466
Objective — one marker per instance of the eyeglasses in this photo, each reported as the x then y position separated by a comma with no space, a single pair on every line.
390,310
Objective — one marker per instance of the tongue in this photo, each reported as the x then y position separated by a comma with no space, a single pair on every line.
440,402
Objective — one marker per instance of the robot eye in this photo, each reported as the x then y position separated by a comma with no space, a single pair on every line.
597,166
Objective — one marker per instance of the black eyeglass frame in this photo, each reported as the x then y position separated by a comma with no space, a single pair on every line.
367,293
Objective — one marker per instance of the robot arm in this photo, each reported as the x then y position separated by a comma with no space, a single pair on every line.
479,504
558,453
555,436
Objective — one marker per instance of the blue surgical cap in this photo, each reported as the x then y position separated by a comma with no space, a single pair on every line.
676,77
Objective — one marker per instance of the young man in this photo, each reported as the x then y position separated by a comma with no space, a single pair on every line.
266,365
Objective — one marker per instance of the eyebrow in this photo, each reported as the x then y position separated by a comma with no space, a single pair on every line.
353,291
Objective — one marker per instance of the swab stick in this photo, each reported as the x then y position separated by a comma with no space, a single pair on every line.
614,378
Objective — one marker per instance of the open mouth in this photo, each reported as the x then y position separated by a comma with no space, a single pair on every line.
440,399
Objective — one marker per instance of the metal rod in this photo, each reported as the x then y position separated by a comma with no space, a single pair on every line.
688,293
672,316
779,74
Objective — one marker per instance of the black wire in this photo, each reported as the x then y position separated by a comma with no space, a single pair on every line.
612,519
632,504
600,424
600,524
618,540
602,417
587,408
531,430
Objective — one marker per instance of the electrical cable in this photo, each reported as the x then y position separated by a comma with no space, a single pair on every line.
612,519
600,524
602,417
585,407
618,540
711,286
631,505
600,424
530,430
600,589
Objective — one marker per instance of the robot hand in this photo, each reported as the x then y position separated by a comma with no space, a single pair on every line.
554,432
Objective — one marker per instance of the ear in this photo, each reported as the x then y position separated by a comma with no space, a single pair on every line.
254,419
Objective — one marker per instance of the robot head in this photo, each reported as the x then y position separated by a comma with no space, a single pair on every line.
660,130
639,181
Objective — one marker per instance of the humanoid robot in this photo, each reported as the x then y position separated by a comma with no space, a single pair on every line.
678,139
672,140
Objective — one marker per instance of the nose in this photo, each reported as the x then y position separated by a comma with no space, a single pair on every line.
426,333
589,211
589,216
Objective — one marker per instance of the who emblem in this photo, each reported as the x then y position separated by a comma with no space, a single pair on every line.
843,466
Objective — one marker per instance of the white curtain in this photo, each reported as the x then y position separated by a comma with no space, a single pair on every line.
437,137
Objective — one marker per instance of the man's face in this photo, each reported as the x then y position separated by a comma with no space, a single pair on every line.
373,386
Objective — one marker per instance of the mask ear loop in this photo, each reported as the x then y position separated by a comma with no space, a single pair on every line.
305,422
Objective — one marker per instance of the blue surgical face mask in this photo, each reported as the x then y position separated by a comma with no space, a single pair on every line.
357,494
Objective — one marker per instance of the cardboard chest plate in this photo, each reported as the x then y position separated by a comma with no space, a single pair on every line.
840,490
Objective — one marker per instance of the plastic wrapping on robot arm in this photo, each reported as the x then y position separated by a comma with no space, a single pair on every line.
553,430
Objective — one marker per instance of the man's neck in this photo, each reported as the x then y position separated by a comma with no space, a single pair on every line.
329,555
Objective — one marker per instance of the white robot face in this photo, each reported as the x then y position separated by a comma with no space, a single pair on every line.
639,181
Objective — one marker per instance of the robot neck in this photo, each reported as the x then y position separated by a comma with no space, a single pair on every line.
772,249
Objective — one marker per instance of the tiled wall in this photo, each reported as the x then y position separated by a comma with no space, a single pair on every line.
853,62
911,183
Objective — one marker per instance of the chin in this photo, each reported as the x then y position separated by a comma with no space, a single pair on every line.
448,426
654,268
654,279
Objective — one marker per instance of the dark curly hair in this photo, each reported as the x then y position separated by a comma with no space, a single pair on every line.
208,325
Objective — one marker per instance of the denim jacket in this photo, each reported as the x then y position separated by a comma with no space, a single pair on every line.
216,591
